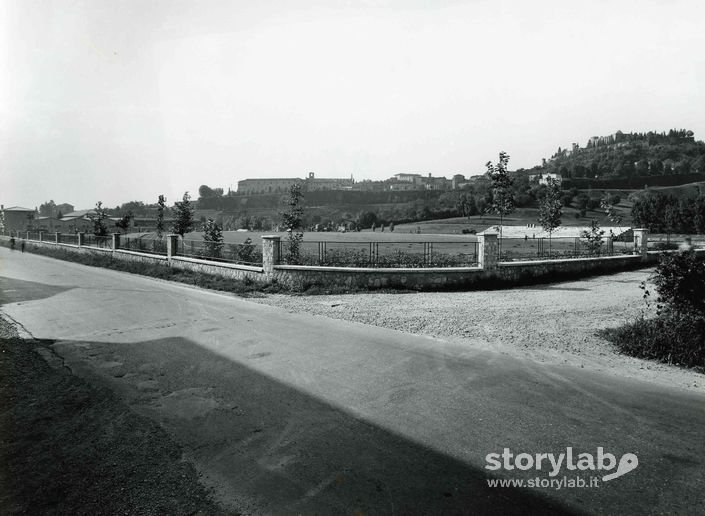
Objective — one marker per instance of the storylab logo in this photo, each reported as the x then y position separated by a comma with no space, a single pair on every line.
601,466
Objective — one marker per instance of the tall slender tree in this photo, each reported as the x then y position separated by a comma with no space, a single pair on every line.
101,214
161,206
501,194
292,221
213,238
551,209
183,221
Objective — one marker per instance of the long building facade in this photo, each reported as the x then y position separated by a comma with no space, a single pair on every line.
282,185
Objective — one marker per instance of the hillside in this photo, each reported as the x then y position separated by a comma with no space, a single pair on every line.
630,160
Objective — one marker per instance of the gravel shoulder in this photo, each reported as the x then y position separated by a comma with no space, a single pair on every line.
555,323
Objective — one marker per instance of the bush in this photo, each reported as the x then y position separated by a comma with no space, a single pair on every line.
680,283
677,334
674,338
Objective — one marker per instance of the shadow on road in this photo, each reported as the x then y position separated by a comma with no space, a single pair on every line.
15,291
285,451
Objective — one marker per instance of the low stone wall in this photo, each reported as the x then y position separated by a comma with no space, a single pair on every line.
302,277
132,256
493,275
226,270
554,270
505,274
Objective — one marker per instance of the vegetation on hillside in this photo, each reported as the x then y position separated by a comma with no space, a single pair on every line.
627,156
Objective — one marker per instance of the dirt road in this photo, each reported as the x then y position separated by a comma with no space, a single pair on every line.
293,413
555,324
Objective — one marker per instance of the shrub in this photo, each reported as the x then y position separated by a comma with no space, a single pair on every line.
680,283
674,338
677,334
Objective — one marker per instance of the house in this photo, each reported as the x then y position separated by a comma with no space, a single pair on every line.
17,218
543,178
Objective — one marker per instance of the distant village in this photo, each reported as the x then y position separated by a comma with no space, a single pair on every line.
398,182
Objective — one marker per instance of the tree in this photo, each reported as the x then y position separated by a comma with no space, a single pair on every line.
183,222
161,205
593,237
551,209
501,193
204,192
292,221
466,205
671,220
47,209
99,227
124,222
212,238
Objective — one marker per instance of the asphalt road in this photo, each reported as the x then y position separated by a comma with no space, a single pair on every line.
288,413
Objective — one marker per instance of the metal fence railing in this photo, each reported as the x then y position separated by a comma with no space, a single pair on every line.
105,242
519,249
144,244
381,254
246,253
67,238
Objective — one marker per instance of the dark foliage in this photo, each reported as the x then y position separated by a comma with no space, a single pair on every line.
677,334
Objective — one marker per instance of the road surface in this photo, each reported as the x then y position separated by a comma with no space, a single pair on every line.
287,413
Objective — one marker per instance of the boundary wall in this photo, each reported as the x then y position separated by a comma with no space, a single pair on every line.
488,274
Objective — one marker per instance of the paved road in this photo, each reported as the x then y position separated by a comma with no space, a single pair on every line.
286,413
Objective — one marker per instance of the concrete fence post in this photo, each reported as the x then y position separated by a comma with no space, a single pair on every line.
116,241
641,242
487,250
172,247
41,236
81,238
27,235
270,253
57,237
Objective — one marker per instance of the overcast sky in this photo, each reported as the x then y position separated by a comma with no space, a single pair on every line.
124,100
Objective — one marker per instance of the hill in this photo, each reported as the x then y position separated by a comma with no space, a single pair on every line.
630,160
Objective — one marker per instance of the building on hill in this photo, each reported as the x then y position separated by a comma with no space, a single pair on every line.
370,186
435,183
282,185
543,178
407,178
403,181
314,184
266,186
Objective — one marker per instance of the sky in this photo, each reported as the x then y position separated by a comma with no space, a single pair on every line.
115,101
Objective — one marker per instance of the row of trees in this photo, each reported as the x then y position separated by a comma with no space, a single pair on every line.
668,214
550,203
184,212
